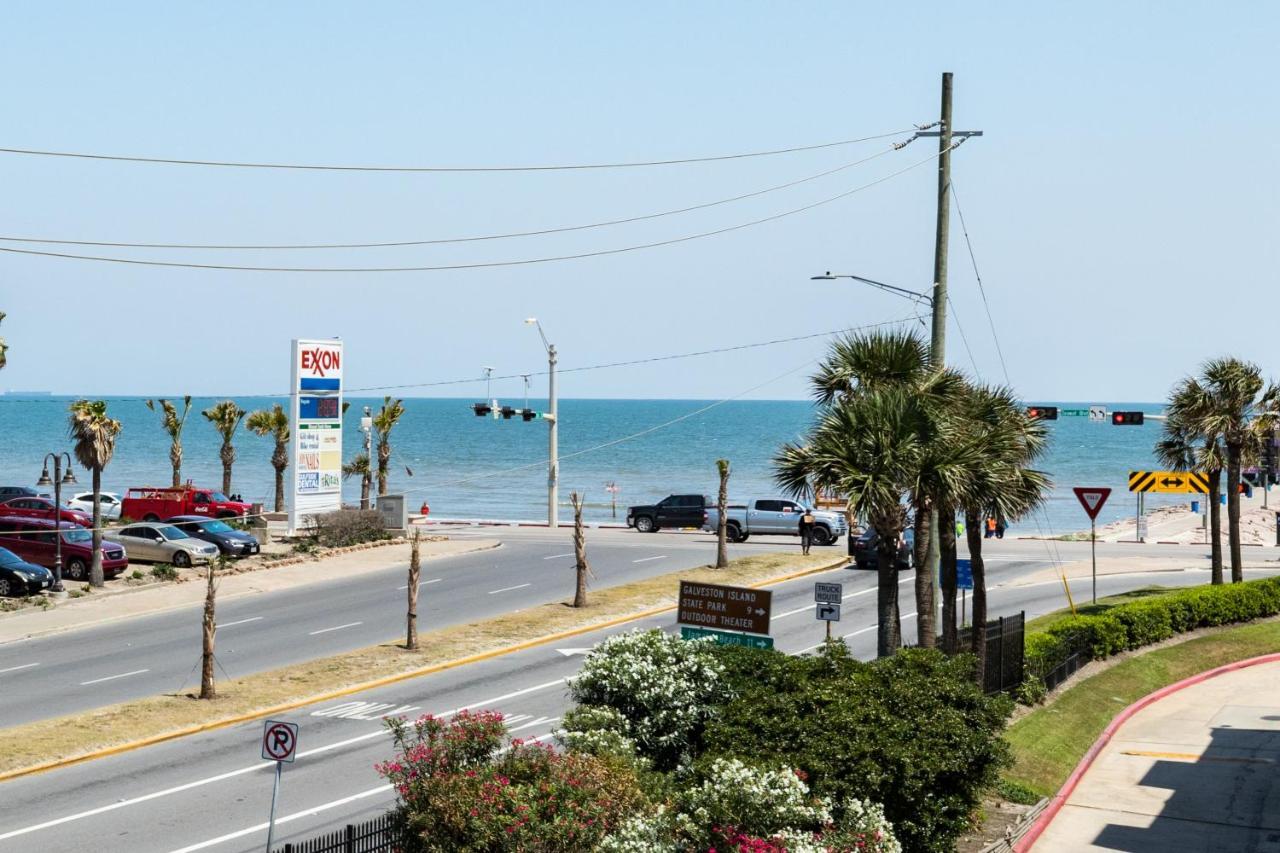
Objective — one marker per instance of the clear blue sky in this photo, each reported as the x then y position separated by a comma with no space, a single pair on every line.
1122,203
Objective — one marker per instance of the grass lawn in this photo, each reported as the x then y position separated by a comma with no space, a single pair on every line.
1043,623
1049,742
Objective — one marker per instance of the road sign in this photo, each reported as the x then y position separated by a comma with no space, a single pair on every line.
964,574
828,593
1169,482
1097,413
828,613
726,638
1092,499
279,740
1079,413
727,608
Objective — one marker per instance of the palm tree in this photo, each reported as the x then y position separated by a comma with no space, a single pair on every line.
1185,446
359,466
173,423
226,417
275,423
582,569
383,422
722,526
94,433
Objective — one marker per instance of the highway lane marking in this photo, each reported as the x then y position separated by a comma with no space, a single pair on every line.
240,622
260,766
113,677
808,608
854,634
509,588
557,556
16,668
334,628
424,583
647,559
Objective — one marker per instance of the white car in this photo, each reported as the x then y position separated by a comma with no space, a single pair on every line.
110,503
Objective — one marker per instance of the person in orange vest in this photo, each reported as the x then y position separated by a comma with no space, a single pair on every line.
991,527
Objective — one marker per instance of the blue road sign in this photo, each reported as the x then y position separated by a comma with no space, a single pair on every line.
964,574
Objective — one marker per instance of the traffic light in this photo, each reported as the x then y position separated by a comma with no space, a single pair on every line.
1043,413
527,415
508,413
481,409
1126,418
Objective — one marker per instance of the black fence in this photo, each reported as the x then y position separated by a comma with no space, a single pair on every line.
380,835
1004,652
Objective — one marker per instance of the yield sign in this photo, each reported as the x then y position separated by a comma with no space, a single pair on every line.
1092,499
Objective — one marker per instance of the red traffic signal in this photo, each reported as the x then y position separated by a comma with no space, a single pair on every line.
1126,418
1043,413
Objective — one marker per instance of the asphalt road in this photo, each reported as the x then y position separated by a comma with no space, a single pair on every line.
212,791
60,674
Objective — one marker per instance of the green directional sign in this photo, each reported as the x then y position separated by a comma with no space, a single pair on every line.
727,638
1077,412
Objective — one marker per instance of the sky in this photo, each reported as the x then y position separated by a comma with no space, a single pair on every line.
1121,203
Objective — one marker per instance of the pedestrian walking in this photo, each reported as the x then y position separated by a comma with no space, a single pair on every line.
1001,526
991,528
806,532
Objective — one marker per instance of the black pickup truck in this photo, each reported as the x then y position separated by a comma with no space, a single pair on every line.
674,511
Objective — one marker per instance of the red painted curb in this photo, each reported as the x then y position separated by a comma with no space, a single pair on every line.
1060,799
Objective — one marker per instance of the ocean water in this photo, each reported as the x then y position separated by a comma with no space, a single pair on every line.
470,467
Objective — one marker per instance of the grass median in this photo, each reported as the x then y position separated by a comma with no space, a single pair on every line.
91,733
1050,741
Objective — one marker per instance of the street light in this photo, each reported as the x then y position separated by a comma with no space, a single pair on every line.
58,481
913,295
553,460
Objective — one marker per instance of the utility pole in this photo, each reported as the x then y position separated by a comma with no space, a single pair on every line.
366,479
938,342
553,447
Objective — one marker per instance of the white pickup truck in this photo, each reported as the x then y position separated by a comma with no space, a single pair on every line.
775,517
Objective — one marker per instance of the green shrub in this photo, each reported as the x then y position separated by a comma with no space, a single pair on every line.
347,527
164,572
136,575
1145,623
1016,792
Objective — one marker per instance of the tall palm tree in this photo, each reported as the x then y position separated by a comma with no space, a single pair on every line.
1186,446
226,417
173,423
383,422
274,422
94,434
359,466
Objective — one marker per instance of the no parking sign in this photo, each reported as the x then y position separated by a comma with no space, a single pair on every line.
279,741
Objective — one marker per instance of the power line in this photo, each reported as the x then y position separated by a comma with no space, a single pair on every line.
981,289
174,161
441,241
963,337
482,264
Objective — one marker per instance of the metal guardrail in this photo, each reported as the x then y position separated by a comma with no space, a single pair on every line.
1015,833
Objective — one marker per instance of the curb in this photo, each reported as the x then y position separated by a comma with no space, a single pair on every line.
384,681
1068,788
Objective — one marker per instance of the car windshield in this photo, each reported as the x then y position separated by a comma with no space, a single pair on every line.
219,498
8,558
77,535
168,531
215,526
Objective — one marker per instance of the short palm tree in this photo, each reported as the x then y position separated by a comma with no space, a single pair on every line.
383,422
359,466
226,417
722,505
274,422
1185,446
94,433
173,423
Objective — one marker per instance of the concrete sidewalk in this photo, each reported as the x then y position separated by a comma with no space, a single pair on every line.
100,608
1198,769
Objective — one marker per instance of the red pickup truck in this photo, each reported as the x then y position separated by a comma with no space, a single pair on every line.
151,503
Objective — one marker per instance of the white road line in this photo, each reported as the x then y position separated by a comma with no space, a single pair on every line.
259,766
508,588
854,634
16,668
424,583
557,556
111,677
240,622
808,608
647,559
334,628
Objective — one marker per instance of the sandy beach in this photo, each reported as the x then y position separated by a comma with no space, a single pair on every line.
1178,524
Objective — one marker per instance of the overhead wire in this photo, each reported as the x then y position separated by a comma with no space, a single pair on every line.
487,264
316,167
981,288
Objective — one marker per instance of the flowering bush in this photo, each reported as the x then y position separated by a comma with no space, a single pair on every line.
459,791
661,688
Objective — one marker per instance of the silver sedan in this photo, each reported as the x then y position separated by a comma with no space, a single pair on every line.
164,543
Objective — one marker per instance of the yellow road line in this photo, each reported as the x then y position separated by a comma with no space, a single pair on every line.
1191,756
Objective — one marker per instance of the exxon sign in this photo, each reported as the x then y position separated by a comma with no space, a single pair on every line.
319,366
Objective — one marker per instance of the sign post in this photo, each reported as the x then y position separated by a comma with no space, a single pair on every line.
316,422
1092,500
964,583
279,744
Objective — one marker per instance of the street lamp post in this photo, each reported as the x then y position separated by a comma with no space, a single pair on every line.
553,456
59,479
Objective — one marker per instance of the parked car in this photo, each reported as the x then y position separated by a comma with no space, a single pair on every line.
231,542
33,539
164,543
18,577
150,503
108,501
673,511
865,555
43,508
7,492
775,516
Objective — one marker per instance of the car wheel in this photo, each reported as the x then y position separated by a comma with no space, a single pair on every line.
733,532
7,587
644,524
151,516
861,565
76,570
821,536
182,559
744,537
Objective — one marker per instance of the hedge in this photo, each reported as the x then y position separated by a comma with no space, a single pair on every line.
1142,623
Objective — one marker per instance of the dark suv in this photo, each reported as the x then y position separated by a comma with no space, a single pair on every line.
9,492
673,511
865,555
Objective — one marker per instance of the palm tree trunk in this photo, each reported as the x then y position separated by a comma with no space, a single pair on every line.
175,459
280,461
228,455
889,623
415,572
1215,524
364,492
722,526
279,490
95,565
210,626
926,631
581,568
384,463
1233,512
947,576
973,532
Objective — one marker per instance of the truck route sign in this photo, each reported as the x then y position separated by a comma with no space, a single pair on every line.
725,608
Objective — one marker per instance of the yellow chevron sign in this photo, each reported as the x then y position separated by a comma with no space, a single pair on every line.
1169,482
